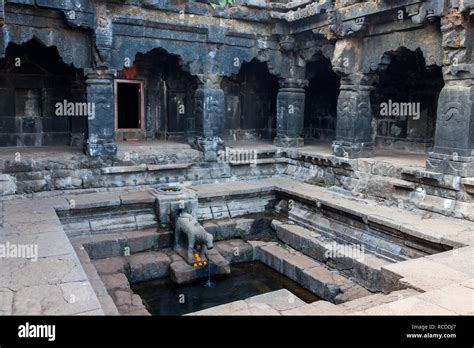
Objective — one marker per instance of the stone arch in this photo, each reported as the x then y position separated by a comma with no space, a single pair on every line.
376,50
250,94
34,79
168,93
190,54
404,101
73,46
232,58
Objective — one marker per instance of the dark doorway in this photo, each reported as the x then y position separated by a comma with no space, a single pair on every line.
33,82
250,103
129,105
321,100
405,102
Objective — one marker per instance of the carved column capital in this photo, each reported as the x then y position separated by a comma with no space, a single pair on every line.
103,34
293,83
210,81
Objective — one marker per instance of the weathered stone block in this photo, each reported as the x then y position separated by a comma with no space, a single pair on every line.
273,255
102,249
181,272
148,266
320,281
110,265
235,250
115,281
7,185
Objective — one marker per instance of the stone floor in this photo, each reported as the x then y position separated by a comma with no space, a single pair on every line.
57,284
390,156
141,149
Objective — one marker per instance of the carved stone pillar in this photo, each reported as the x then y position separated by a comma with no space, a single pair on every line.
354,118
453,151
290,113
209,112
101,125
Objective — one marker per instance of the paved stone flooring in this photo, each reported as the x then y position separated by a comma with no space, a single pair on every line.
150,148
57,284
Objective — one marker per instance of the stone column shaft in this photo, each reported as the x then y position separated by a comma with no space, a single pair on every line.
209,108
101,126
354,121
290,114
453,151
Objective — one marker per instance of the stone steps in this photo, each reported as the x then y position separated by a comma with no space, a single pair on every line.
107,212
357,305
364,303
363,267
218,208
378,236
314,276
115,244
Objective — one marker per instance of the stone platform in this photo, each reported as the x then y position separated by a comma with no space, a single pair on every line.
181,272
397,179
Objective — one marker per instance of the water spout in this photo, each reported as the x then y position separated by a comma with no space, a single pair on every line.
208,283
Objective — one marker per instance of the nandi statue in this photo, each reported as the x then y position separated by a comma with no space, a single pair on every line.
185,225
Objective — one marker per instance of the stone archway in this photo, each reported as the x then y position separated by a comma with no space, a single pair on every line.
404,102
43,99
168,96
250,111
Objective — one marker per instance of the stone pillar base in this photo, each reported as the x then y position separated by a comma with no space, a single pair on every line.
450,164
101,149
352,150
210,147
288,142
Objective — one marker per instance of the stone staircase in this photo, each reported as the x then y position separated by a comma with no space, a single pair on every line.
364,268
351,307
312,275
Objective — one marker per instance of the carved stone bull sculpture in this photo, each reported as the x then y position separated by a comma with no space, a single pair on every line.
197,237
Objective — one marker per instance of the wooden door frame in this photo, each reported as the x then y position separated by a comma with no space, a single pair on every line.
141,105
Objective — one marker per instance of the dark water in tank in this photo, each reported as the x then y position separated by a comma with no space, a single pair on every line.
162,297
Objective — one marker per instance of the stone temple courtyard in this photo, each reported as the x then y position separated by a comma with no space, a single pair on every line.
288,210
247,157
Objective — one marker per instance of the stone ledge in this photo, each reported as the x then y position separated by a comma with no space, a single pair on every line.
94,200
181,272
171,166
124,169
421,274
137,197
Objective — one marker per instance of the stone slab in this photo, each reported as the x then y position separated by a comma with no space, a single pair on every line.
148,266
